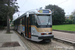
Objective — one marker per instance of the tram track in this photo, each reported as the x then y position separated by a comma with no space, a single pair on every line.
31,45
37,46
28,44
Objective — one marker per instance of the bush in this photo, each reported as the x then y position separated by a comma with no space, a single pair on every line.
68,21
1,27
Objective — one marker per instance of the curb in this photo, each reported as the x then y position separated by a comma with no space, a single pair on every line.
21,41
65,42
64,31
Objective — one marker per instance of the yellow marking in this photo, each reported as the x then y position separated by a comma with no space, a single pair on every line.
40,11
42,29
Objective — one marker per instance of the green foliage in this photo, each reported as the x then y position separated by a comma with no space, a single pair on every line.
66,27
3,15
5,9
1,27
71,17
58,14
9,33
68,21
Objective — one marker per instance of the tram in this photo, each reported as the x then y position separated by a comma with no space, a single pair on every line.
35,25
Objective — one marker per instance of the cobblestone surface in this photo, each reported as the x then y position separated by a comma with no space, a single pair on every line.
54,45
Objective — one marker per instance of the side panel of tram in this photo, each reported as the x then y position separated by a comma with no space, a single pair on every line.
23,26
19,25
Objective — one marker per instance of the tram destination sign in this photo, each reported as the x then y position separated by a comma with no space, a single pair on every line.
44,11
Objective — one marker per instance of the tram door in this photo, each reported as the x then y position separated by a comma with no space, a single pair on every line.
28,28
25,26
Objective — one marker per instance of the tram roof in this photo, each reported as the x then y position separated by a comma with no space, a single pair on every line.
33,12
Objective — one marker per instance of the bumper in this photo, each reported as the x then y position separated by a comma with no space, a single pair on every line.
46,37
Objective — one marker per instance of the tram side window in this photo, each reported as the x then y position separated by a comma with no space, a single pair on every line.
33,20
20,21
29,19
16,22
23,21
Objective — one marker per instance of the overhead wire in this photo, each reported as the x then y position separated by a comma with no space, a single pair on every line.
62,2
24,3
27,0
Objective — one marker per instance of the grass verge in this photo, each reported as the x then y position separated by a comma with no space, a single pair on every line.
66,27
9,33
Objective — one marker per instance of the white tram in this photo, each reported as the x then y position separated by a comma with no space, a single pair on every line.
35,25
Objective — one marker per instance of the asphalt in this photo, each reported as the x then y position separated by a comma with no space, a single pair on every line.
12,37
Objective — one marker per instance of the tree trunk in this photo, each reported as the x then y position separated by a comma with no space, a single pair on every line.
8,24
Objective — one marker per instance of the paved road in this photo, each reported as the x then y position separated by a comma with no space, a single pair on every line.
64,36
54,45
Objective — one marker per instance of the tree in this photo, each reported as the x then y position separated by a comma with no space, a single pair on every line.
3,13
68,21
8,8
71,17
58,14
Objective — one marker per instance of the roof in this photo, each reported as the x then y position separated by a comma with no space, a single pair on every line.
35,11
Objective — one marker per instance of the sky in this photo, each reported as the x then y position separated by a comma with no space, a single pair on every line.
26,5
